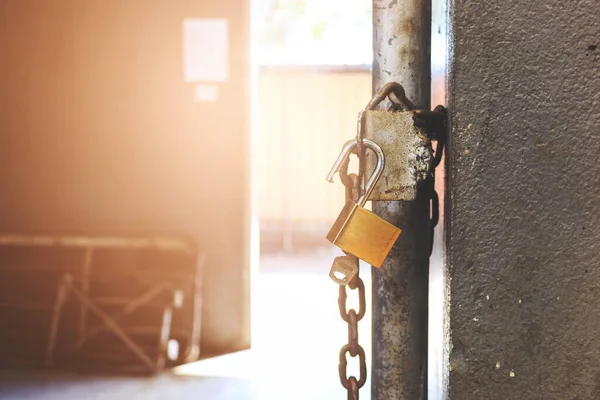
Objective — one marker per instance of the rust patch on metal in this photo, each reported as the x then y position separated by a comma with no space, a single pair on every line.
408,153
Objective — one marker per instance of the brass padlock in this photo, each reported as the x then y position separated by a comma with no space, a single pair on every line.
356,230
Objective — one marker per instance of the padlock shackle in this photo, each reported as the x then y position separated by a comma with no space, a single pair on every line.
349,146
395,93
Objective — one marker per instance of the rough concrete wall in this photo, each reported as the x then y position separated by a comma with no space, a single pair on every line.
524,232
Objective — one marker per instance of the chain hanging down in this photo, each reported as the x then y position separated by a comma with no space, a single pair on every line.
435,125
351,316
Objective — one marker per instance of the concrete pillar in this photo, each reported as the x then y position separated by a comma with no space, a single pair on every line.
523,235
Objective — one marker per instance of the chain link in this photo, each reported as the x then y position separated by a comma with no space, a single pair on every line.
353,389
344,366
343,296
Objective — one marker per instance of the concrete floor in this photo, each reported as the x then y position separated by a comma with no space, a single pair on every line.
297,334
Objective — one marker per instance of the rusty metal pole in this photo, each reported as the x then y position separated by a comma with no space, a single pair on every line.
401,53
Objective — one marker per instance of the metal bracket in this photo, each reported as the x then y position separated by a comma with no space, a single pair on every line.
435,124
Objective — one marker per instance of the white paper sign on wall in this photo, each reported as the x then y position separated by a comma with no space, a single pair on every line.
205,50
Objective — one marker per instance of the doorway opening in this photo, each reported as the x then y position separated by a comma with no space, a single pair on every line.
311,74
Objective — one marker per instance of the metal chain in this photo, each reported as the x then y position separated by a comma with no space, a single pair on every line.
434,123
351,316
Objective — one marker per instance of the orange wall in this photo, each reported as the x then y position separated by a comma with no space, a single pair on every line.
3,112
100,134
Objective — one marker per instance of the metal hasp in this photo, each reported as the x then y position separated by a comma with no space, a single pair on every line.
401,51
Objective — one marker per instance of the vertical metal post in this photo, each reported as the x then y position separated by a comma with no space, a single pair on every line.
401,53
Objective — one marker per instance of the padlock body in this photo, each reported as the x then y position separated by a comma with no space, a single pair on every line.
360,232
408,154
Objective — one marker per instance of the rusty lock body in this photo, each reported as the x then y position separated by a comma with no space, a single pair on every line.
356,230
408,149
